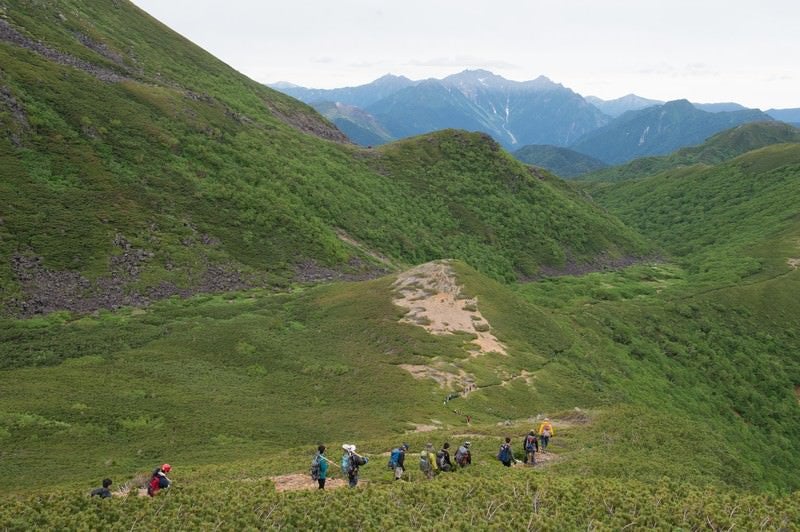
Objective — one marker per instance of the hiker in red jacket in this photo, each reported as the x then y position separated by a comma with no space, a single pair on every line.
159,480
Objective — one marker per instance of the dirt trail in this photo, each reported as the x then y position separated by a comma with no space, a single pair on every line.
794,263
299,481
435,302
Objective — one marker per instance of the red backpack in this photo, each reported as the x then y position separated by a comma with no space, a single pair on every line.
153,486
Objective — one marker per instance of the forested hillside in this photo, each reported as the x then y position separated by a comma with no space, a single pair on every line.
429,290
136,167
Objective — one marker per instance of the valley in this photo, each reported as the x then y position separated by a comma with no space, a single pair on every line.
196,269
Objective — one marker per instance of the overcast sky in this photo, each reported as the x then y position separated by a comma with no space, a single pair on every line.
747,51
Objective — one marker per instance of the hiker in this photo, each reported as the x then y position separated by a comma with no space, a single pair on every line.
351,461
546,431
505,455
427,461
159,480
530,444
463,455
443,458
104,492
319,467
397,460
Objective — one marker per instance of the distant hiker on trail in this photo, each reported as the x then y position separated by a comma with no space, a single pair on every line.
351,461
159,480
546,431
427,461
463,455
530,444
504,454
397,460
443,458
319,467
104,492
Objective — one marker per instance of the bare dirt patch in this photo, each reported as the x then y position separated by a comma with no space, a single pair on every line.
421,427
298,481
434,300
444,378
794,263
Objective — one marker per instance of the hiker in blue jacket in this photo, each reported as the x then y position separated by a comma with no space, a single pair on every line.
322,475
397,460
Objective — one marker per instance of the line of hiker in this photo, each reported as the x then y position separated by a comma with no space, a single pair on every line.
430,463
535,441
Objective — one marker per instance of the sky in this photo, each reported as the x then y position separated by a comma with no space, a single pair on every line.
744,51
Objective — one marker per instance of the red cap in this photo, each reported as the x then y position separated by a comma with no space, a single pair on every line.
166,468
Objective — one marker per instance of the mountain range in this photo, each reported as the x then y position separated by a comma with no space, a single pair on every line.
658,130
516,114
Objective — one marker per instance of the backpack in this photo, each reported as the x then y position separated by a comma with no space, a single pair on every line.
315,468
440,460
462,458
425,461
394,458
530,443
346,462
353,463
546,432
505,454
154,485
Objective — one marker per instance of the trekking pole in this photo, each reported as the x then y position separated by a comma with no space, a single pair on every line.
334,464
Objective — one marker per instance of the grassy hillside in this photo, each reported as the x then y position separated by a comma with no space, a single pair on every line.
561,161
132,175
136,166
717,149
722,220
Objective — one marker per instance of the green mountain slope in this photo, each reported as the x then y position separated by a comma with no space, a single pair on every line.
717,149
561,161
659,130
136,166
717,218
673,385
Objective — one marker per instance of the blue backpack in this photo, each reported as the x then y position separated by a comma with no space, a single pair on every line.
394,458
505,454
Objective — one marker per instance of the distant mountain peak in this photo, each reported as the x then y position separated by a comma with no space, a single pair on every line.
279,85
476,78
683,103
541,83
391,78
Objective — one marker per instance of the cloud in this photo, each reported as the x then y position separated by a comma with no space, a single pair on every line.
690,70
367,64
462,61
322,60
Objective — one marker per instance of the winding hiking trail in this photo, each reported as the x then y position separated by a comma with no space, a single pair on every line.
434,301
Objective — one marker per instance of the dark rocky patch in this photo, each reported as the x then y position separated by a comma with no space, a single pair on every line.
357,270
599,264
17,114
11,35
46,291
101,48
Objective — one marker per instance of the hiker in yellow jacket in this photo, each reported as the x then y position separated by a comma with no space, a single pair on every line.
427,461
546,430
